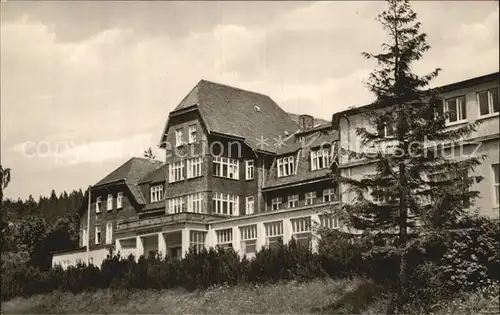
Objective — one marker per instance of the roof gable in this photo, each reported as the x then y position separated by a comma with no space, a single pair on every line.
131,171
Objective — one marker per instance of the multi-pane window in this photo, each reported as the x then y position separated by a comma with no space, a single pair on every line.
496,185
329,195
456,109
179,135
286,166
176,172
225,204
274,233
293,201
276,203
386,130
109,232
248,238
98,203
310,198
301,230
84,236
488,102
225,237
250,205
197,240
320,159
249,169
329,221
194,167
192,133
98,236
175,205
109,205
119,200
156,193
226,167
195,203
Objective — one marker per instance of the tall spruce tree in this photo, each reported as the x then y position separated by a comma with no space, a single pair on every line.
416,177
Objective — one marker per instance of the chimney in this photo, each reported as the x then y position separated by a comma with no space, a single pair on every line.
306,122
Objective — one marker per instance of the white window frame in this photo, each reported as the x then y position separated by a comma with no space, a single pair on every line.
286,166
109,232
274,232
194,167
301,229
98,235
331,193
98,203
329,221
179,135
231,201
109,202
176,205
192,134
310,198
249,169
458,109
224,237
119,200
248,236
230,166
195,203
293,201
84,236
496,185
176,171
276,203
491,111
320,159
250,205
197,239
156,193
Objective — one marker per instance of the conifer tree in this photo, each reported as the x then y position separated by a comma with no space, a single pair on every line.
416,178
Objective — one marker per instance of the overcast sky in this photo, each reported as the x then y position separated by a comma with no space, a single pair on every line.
87,85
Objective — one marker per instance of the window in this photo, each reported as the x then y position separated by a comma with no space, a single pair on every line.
329,221
250,205
248,238
488,102
175,205
310,197
195,203
194,167
176,172
109,205
301,231
225,238
119,200
192,133
286,166
274,233
496,185
98,235
84,237
98,203
293,201
179,134
276,203
384,196
226,204
197,240
320,159
249,167
330,195
109,232
456,109
226,167
156,193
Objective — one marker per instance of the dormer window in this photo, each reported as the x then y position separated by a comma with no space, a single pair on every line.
179,135
320,159
156,193
286,166
119,200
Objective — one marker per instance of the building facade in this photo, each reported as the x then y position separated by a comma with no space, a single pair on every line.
242,173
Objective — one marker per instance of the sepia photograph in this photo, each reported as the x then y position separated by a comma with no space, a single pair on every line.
250,157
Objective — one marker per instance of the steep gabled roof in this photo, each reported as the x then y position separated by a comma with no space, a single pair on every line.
239,113
131,171
159,174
